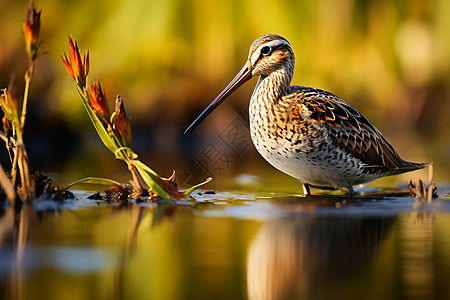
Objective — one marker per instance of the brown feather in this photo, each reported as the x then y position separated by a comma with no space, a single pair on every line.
349,129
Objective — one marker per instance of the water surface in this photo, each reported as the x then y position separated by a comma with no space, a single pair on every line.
230,244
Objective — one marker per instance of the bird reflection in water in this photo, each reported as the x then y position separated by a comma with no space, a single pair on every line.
308,257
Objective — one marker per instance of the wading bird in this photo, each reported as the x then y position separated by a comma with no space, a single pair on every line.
308,133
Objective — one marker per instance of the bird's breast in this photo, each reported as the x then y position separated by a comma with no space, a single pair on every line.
300,147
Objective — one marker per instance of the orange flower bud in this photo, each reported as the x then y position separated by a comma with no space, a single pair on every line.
98,101
75,66
122,123
31,28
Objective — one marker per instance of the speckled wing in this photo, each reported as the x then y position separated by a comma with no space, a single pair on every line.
353,132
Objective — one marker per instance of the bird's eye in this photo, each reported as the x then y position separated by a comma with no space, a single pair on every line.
266,50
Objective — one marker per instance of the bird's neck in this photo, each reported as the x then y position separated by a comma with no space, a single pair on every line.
273,86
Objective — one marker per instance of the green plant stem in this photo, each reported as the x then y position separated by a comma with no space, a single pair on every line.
21,157
28,75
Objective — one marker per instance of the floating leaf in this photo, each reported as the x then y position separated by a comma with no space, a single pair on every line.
197,186
93,180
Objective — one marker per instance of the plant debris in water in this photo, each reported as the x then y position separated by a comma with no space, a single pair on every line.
423,193
45,189
123,193
120,193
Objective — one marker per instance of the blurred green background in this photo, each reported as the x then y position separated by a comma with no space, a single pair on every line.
169,59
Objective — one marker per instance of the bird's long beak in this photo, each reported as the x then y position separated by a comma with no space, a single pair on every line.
243,76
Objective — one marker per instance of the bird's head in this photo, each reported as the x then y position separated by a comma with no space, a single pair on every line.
268,53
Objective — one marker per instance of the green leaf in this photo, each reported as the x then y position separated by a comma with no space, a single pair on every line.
195,187
143,166
126,154
151,179
107,140
93,180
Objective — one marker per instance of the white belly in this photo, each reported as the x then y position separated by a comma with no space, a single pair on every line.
298,155
331,167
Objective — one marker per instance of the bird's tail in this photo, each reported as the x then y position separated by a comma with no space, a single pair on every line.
408,166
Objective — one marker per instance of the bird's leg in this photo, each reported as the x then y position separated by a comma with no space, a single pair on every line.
308,192
351,191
